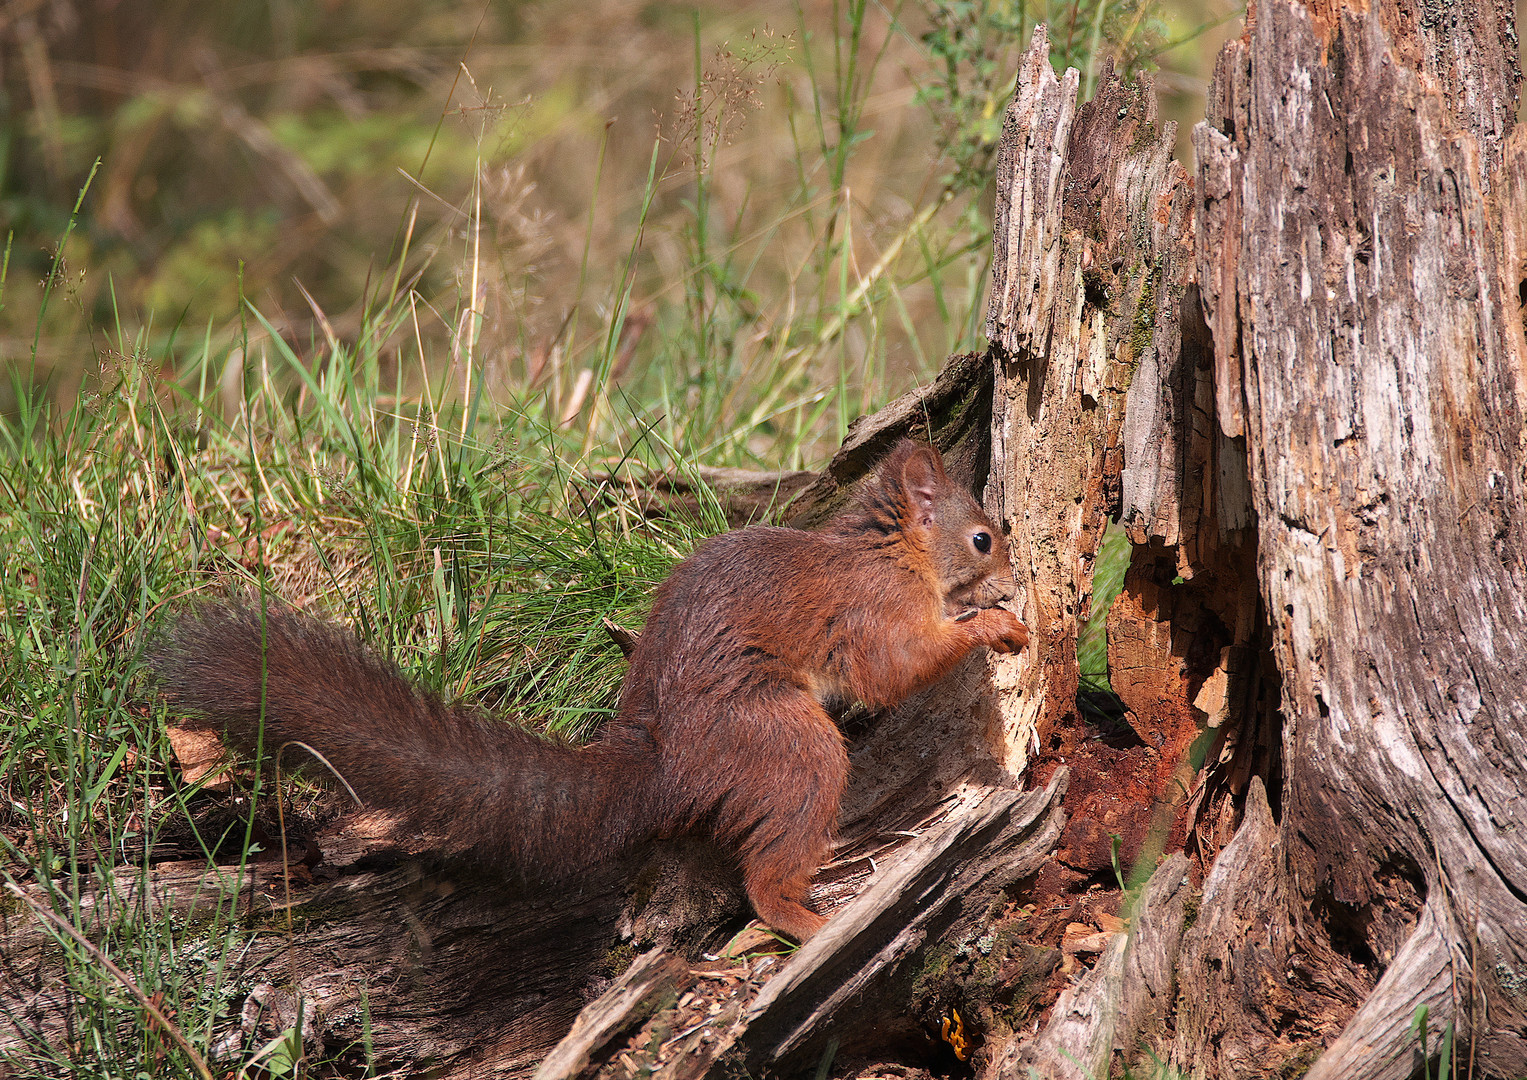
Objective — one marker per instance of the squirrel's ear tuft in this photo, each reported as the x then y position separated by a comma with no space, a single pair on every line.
919,473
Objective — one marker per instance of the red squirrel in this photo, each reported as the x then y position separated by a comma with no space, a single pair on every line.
721,725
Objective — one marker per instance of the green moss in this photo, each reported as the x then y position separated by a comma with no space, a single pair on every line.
935,968
1143,325
1298,1063
992,951
311,913
619,958
660,1030
1190,911
993,977
1146,135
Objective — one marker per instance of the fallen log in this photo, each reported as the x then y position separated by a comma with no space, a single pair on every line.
848,985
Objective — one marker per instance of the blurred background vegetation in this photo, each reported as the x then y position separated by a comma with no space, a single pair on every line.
468,185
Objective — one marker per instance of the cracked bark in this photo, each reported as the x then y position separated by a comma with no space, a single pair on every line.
1323,477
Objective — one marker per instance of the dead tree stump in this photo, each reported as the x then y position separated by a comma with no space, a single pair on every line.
1320,464
1298,377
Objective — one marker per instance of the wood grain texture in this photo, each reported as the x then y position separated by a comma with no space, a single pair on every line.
443,971
653,981
845,986
939,890
1323,450
1299,376
1251,1000
1380,350
1126,993
953,413
1086,196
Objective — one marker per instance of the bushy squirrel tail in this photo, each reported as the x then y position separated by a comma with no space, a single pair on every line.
470,784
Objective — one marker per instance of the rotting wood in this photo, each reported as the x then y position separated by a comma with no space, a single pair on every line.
939,887
1322,436
1093,260
954,414
397,956
654,981
1323,474
744,496
1128,990
1378,339
1230,957
1380,1038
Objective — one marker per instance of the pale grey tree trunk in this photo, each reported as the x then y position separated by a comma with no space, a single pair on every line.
1324,462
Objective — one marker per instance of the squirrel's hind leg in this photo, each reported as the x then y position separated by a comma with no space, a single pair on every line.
782,816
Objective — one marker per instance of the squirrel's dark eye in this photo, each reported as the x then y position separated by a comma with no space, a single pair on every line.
982,542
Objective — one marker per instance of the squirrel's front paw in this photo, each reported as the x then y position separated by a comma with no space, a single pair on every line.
1006,633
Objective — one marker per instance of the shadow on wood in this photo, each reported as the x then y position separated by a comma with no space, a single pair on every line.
846,986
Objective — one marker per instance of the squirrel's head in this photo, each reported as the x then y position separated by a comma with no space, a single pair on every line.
968,554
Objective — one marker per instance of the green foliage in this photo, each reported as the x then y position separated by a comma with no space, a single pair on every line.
976,45
470,548
208,116
1107,579
290,155
1444,1060
86,532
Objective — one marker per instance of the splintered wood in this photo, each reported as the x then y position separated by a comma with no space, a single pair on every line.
781,1013
1322,464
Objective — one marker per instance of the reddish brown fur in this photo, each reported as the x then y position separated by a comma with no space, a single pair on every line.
721,724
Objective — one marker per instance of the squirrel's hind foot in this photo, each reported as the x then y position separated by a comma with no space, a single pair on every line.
788,917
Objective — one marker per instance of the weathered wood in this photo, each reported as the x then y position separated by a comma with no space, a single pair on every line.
940,889
439,967
1323,474
1244,1007
1299,378
954,414
1036,319
1380,1039
839,987
1185,634
653,982
1376,329
744,496
1093,259
1128,990
36,1002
